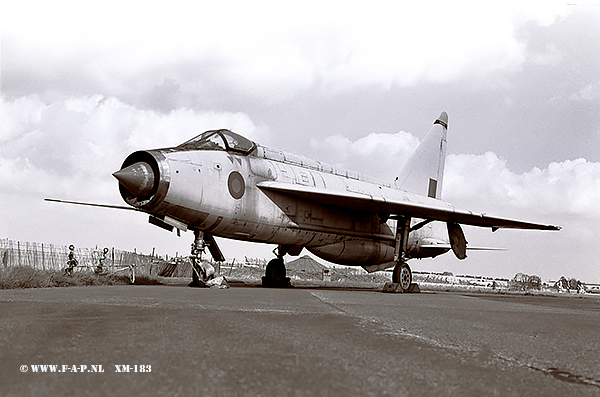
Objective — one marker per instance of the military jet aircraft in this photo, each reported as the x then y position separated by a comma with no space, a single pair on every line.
222,184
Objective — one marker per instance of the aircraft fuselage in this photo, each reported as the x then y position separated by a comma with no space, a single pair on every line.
218,191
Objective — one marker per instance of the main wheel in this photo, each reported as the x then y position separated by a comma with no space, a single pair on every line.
402,275
275,273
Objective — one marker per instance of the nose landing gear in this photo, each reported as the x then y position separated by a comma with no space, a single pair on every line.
202,271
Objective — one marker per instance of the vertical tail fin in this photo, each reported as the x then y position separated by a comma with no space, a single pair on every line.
424,171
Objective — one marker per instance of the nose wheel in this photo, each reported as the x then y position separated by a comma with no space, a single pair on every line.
202,271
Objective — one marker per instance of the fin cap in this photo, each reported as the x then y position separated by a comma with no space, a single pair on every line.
442,120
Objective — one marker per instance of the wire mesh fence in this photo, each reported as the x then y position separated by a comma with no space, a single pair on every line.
45,256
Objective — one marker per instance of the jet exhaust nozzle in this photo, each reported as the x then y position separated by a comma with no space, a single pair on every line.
139,179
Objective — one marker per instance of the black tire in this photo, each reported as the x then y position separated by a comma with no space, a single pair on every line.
275,273
402,275
197,275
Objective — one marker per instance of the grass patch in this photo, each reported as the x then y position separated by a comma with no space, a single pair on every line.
142,279
27,277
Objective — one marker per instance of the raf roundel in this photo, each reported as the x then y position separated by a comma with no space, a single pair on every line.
236,185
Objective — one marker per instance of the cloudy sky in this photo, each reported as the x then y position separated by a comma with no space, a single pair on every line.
83,85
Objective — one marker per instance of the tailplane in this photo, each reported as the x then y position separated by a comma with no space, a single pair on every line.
424,171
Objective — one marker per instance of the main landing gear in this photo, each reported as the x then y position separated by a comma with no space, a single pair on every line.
402,276
401,279
275,273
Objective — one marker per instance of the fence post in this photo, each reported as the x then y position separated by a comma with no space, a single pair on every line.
34,254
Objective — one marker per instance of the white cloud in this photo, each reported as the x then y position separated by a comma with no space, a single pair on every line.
72,146
377,154
19,116
586,94
568,187
266,49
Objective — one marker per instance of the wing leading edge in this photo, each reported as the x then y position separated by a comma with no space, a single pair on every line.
411,205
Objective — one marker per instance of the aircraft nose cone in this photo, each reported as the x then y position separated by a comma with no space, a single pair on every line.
138,178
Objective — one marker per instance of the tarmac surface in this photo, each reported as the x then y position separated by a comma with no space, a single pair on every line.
248,340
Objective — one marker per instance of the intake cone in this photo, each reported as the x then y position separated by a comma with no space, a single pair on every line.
138,178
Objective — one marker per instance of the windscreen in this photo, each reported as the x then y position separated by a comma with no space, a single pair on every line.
219,140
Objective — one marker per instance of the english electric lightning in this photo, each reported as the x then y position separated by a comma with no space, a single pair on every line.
222,184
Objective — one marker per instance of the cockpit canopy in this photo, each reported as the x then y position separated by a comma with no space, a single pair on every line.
219,140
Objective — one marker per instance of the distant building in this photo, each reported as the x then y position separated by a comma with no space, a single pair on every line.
305,264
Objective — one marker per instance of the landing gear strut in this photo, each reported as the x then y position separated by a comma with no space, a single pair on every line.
275,273
199,273
402,276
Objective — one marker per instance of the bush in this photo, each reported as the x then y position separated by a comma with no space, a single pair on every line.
27,277
143,279
23,277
